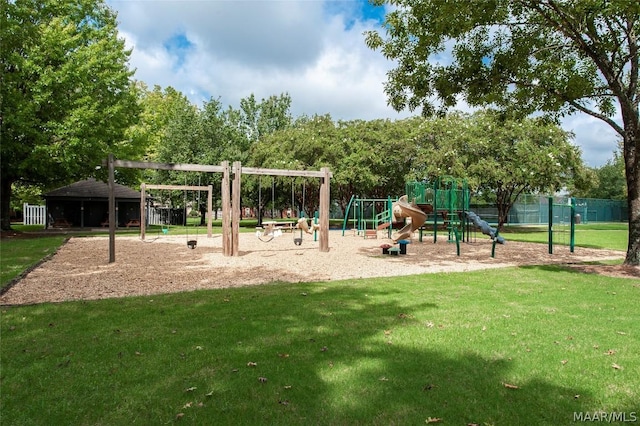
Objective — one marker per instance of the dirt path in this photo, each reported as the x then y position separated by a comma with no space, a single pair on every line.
80,269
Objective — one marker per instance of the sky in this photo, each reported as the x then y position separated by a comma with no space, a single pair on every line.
314,50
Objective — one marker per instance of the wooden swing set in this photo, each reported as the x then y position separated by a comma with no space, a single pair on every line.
230,199
143,201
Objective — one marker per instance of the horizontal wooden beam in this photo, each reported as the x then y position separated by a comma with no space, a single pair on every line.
178,187
281,172
182,167
185,167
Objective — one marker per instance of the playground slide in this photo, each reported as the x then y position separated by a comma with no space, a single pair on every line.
402,209
485,227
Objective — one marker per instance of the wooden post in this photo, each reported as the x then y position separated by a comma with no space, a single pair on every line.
325,205
143,208
209,211
112,211
235,207
226,211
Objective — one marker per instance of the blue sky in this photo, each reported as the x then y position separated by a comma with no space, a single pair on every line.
312,49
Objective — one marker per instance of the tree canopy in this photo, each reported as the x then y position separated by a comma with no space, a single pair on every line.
522,56
610,182
500,159
66,92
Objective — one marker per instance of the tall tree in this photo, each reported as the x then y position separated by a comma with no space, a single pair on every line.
306,145
181,141
559,57
257,119
500,159
367,158
66,93
374,157
609,181
157,109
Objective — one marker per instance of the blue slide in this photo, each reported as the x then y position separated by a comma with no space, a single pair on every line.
484,227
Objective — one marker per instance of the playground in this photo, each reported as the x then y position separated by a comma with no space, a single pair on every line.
80,271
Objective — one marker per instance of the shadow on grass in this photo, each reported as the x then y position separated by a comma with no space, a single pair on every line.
552,268
353,360
592,268
321,354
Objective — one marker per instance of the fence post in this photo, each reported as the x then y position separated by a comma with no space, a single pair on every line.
572,235
550,225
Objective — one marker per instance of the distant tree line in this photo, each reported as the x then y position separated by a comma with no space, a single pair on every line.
69,99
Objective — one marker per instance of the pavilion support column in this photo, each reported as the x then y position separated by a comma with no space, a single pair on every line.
325,206
112,211
235,207
226,210
143,210
209,211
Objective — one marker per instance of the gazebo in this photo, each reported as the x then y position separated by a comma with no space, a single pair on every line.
85,204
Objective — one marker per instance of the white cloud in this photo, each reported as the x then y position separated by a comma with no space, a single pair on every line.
597,139
313,50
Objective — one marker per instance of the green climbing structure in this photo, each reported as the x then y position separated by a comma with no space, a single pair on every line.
446,199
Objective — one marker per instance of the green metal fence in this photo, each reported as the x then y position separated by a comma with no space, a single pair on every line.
532,209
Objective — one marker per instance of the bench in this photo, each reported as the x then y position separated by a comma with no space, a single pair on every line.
370,233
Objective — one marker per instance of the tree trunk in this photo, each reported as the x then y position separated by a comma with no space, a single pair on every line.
632,170
5,204
503,204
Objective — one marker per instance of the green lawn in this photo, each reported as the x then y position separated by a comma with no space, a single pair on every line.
379,351
598,235
17,255
534,345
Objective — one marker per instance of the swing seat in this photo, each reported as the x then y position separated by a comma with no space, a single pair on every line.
165,231
297,241
192,244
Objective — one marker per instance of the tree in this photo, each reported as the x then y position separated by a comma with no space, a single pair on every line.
181,142
66,93
500,159
305,145
246,127
374,158
367,158
610,182
156,110
258,119
557,57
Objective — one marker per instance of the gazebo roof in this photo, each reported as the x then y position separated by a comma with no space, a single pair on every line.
91,188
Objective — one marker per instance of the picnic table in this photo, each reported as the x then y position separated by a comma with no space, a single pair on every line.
134,223
61,223
283,226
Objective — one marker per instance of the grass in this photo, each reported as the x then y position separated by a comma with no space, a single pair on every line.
17,255
379,351
598,235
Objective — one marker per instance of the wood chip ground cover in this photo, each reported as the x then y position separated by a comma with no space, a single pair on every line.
80,269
